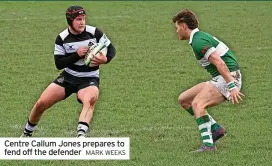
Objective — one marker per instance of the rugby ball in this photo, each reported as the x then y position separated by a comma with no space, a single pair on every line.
95,50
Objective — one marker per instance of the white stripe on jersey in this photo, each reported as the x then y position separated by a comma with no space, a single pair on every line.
209,52
222,48
74,46
80,62
105,39
204,62
90,29
59,50
83,74
64,34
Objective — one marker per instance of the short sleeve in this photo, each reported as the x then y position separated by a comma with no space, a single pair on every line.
203,48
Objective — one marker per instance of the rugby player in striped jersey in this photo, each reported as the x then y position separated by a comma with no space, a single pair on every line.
71,46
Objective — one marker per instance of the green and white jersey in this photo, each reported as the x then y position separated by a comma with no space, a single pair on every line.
204,45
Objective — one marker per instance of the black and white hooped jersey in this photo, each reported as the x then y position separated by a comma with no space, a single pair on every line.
67,44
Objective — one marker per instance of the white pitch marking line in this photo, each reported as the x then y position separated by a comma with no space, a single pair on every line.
264,48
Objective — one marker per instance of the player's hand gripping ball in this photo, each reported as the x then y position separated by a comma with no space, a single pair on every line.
94,50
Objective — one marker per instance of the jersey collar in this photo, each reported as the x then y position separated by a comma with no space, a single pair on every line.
192,34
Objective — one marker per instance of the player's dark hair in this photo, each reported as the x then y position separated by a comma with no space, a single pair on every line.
72,12
186,16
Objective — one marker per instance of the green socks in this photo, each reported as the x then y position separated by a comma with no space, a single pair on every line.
214,125
191,111
204,125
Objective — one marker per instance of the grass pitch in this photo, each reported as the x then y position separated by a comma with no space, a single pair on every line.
139,88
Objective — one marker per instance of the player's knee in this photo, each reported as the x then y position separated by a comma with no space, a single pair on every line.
90,100
184,104
197,105
41,105
180,100
93,99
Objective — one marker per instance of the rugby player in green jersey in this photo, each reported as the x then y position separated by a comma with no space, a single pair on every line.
214,56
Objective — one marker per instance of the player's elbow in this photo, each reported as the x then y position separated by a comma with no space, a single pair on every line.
58,65
111,53
222,67
59,68
217,61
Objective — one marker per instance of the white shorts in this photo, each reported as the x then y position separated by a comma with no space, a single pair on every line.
220,83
